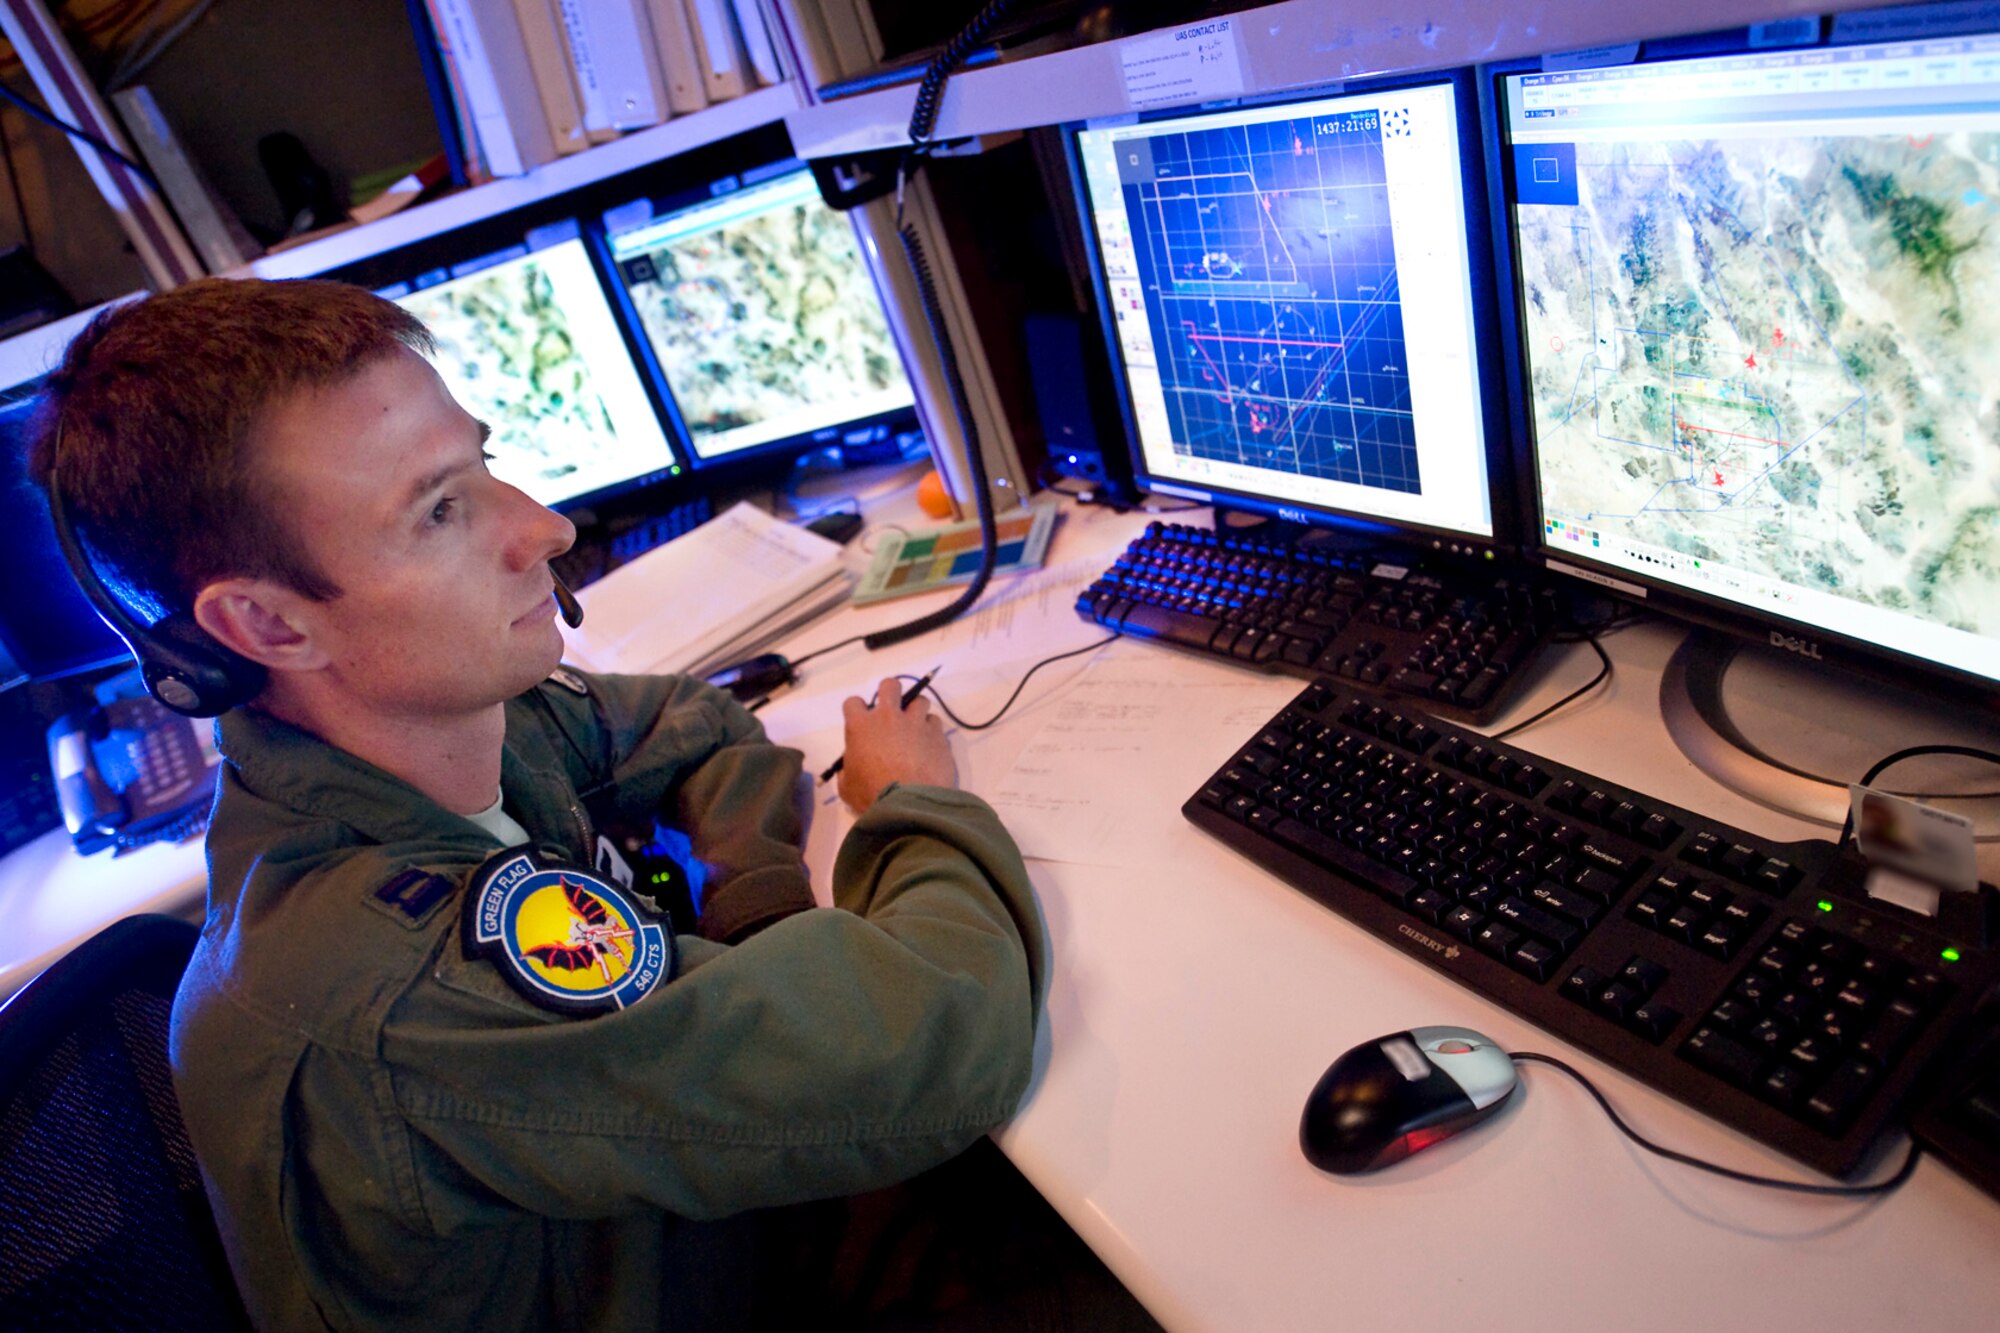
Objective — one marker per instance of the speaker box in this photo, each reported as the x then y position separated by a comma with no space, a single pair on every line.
1084,439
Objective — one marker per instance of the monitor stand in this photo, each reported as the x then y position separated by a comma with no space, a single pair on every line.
1792,738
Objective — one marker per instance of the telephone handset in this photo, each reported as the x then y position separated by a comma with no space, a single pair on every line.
129,771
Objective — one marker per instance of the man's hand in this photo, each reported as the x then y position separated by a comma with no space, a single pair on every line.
889,743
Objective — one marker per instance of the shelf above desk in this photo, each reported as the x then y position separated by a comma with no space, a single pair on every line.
1297,44
638,149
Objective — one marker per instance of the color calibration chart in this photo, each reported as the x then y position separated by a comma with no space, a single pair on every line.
907,563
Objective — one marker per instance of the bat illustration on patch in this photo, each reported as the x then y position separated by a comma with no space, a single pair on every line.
593,937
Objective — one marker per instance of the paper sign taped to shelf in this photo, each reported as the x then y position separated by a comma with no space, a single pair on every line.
1198,63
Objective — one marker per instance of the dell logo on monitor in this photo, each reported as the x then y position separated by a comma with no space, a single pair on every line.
1293,515
1803,647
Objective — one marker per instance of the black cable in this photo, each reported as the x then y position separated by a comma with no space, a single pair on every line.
1914,751
963,725
82,134
930,93
975,460
1896,1181
1603,674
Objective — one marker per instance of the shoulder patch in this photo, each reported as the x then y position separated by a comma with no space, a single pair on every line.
565,938
412,896
570,681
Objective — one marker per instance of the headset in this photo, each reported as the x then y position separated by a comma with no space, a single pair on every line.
182,664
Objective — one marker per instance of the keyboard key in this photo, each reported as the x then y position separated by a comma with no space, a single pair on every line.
1536,959
1496,939
1655,1021
1180,627
1842,1094
1582,983
1722,1054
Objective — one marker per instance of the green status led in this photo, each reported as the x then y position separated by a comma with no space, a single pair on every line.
1825,906
1949,955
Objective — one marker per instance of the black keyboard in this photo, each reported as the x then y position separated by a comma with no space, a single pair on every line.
1753,980
1457,639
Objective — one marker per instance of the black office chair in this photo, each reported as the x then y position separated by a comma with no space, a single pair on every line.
103,1222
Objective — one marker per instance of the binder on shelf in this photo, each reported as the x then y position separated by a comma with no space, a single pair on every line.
679,66
484,41
718,48
465,133
548,58
437,83
218,235
581,49
617,68
757,42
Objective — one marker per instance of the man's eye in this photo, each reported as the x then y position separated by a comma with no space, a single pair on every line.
442,511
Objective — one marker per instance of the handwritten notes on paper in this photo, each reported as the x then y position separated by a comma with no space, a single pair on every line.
1198,63
1123,749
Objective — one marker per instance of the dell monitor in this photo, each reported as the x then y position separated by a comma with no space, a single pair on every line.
527,342
760,319
1292,294
1757,298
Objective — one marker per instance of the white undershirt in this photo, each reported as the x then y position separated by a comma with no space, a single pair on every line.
503,826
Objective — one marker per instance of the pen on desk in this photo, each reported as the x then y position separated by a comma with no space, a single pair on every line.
909,697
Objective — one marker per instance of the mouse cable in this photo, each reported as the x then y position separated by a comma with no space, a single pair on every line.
963,725
1894,1182
1603,674
1913,752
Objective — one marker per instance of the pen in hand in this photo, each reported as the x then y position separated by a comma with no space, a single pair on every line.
909,697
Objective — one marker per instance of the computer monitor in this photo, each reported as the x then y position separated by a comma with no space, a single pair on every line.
48,629
760,318
528,343
1757,297
1292,294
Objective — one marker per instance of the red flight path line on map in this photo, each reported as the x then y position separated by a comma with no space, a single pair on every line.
1736,435
1280,342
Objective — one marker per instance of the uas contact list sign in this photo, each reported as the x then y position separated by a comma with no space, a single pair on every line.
1182,66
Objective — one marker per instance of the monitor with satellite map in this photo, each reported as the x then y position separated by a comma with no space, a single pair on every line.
760,317
1291,292
1757,299
527,342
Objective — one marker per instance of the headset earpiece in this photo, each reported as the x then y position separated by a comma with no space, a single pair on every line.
182,665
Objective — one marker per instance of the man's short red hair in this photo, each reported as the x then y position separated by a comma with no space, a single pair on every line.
156,407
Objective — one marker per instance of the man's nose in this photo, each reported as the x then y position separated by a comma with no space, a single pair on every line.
540,533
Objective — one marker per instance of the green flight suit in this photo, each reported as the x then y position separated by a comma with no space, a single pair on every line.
395,1138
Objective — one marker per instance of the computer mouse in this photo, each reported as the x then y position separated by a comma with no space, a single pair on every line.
1398,1094
754,677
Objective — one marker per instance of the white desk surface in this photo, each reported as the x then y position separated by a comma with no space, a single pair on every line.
1195,999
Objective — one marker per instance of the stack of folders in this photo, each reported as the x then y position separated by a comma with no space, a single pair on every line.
530,80
723,592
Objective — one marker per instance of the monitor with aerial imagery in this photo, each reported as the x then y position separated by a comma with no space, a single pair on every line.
527,342
761,319
1757,297
1291,294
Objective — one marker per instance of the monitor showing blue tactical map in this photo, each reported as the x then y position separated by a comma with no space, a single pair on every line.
527,342
1288,291
1758,298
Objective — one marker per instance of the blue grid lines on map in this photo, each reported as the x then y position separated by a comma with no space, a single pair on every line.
1269,270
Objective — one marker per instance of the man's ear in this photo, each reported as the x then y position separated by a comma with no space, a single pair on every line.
260,620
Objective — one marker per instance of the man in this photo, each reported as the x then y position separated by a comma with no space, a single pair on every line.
424,1091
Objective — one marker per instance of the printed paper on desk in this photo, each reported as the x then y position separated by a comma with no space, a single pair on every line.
667,609
1125,747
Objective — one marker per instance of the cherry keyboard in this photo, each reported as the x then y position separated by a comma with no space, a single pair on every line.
1755,981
